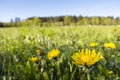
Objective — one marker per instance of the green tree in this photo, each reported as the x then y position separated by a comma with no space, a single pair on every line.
80,20
67,20
95,20
108,20
86,21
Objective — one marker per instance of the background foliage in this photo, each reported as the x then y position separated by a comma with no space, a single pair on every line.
62,21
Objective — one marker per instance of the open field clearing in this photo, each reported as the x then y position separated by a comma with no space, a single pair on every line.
60,53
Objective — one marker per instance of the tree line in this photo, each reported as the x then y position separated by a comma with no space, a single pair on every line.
62,21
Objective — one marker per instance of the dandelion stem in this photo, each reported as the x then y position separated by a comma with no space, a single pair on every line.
88,76
73,74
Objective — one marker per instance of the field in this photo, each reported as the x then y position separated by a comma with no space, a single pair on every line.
60,53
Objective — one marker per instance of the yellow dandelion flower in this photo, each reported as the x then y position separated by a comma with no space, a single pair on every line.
93,44
34,59
110,45
38,51
86,58
52,54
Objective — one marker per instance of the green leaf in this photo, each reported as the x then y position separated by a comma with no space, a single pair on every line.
46,76
28,65
66,77
106,72
101,78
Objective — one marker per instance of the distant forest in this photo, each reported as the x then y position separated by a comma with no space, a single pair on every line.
62,21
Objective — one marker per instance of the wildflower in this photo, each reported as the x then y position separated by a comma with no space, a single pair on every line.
34,59
52,54
86,58
110,45
93,44
38,51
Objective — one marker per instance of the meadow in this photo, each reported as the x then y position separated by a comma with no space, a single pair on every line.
60,53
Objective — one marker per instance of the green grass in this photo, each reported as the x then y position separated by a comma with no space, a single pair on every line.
18,45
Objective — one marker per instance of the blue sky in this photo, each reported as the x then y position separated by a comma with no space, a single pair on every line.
42,8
